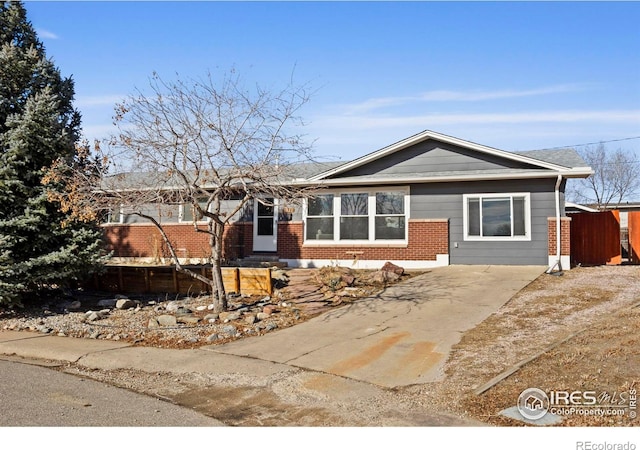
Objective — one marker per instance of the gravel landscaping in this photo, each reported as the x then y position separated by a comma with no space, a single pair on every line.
189,322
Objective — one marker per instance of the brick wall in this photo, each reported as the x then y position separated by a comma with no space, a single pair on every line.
427,238
565,235
145,241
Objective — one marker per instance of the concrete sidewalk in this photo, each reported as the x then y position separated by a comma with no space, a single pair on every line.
400,337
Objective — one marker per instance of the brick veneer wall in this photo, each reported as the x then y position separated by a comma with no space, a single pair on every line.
427,238
565,235
145,241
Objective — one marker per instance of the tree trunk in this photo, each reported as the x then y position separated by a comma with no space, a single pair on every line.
216,231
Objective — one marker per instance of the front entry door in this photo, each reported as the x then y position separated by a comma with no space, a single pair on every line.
265,225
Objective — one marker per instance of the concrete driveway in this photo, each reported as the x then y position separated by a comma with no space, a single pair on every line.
400,337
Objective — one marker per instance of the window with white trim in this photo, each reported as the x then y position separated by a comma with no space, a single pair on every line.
320,216
358,216
354,218
187,211
497,216
390,219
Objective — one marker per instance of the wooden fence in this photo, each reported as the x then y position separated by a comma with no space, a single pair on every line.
163,279
633,224
595,238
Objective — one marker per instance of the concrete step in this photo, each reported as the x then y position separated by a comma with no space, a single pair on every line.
262,258
257,263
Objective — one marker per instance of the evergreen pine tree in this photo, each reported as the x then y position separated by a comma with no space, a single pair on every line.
39,249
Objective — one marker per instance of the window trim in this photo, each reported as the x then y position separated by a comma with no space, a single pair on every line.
181,219
352,216
305,216
511,196
371,214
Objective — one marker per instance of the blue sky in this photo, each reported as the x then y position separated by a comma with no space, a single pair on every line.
512,75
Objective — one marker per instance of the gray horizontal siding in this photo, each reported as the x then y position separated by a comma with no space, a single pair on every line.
168,214
160,212
440,200
432,156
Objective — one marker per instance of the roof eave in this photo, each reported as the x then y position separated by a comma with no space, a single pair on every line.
570,173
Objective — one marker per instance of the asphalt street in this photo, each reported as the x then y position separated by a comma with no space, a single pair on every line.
36,396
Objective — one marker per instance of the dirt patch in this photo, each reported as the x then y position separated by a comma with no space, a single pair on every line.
246,406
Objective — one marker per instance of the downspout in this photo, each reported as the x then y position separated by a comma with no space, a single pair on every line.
558,263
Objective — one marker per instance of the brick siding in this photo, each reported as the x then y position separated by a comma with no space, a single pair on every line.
145,241
427,238
565,235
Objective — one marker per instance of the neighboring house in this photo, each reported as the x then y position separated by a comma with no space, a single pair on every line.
428,200
574,208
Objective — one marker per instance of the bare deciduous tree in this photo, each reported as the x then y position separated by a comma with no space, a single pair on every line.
615,177
200,143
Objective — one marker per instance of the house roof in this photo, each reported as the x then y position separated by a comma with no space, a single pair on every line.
531,164
564,162
566,157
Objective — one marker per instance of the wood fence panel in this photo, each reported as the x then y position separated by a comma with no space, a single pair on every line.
595,238
255,281
633,219
160,280
134,279
231,279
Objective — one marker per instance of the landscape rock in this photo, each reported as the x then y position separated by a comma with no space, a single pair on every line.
250,319
229,330
226,315
383,277
269,310
347,279
167,320
279,275
108,302
201,308
172,306
92,316
153,323
183,310
262,316
390,267
73,306
125,303
188,319
212,316
213,337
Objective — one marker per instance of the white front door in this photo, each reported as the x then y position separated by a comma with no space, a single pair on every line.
265,225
